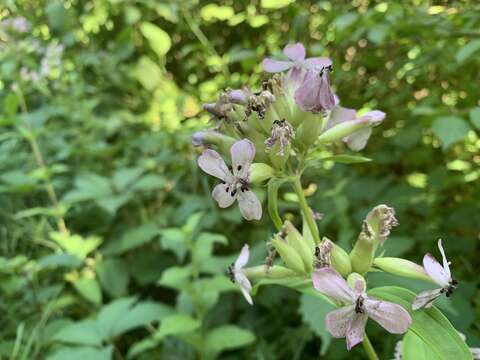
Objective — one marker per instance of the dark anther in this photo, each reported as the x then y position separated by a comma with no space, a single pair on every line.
239,167
454,282
223,182
227,189
359,305
442,291
233,192
230,273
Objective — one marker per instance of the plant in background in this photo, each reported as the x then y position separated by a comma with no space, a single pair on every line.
283,127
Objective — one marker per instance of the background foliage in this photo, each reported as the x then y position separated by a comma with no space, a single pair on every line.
126,257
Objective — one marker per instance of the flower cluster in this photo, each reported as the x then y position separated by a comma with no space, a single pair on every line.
271,134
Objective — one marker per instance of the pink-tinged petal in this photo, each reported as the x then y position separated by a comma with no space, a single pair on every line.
222,193
274,66
356,331
339,115
242,259
250,206
315,94
446,264
317,63
358,140
243,153
329,282
212,163
392,317
435,270
359,287
295,52
338,321
245,286
425,299
375,117
237,96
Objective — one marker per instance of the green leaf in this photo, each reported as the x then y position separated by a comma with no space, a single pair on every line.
347,159
83,332
450,129
113,275
88,288
175,325
467,51
83,353
158,39
174,239
132,239
414,348
212,12
275,4
430,325
148,73
124,177
75,244
475,117
203,246
227,337
313,311
176,277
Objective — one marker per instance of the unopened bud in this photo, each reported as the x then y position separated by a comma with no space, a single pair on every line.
273,272
310,128
363,253
339,131
402,267
212,137
340,260
302,246
289,255
259,172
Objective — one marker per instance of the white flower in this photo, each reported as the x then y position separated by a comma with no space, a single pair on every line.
236,185
440,275
238,276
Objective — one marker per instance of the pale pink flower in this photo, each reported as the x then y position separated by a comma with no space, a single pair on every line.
314,93
358,140
349,321
238,276
441,275
234,186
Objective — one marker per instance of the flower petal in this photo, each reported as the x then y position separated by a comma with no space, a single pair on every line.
374,117
274,66
425,299
242,152
295,52
329,282
338,321
212,163
250,206
356,330
222,193
358,140
436,271
446,264
242,259
237,96
317,63
315,94
340,114
245,286
392,317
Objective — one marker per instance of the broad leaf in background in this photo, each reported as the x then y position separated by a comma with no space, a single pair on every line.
450,129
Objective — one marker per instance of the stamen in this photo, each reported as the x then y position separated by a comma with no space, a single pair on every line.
239,167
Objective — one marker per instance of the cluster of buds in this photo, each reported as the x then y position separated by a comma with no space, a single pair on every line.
269,134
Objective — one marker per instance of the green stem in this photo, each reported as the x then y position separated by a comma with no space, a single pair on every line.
367,345
307,212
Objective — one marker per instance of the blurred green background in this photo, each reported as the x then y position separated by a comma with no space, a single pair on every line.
111,246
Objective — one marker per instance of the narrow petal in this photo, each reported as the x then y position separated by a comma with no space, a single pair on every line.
446,264
356,331
317,63
358,140
392,317
274,66
242,259
295,52
307,93
425,299
375,117
340,114
222,193
212,163
338,321
329,282
250,206
245,286
242,152
435,270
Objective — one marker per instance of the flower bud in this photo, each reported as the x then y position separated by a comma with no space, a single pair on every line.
259,172
363,253
340,260
310,128
353,280
339,131
212,137
288,254
302,246
273,272
401,267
